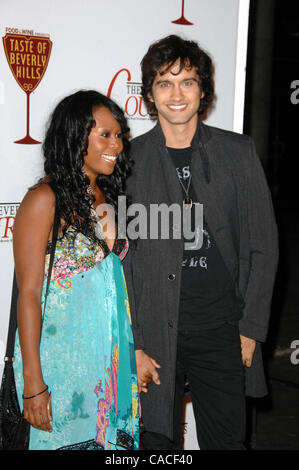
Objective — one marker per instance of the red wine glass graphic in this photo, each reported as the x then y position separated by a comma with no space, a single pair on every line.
182,19
28,58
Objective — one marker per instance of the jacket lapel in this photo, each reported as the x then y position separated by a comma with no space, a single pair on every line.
206,192
165,168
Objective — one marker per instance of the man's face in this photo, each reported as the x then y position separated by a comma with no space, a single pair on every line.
176,96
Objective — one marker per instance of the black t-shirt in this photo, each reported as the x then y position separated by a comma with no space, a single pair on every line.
208,296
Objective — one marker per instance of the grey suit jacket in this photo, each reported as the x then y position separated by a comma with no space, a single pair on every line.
230,183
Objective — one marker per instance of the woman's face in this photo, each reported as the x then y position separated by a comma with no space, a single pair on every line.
104,144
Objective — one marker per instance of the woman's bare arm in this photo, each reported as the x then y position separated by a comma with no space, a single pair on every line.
32,230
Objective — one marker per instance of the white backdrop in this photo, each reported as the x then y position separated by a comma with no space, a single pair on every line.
93,42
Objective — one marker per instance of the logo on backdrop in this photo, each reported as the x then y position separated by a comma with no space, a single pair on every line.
182,19
28,55
8,212
133,105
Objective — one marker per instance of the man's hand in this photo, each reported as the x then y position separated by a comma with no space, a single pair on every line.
247,349
146,370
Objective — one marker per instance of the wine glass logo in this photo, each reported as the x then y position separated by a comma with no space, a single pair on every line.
28,58
182,19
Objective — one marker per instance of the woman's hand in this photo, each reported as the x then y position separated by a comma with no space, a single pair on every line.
37,410
247,348
146,370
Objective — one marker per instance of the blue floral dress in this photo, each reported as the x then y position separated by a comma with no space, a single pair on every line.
87,351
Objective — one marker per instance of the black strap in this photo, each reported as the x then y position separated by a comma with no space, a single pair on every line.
12,320
15,293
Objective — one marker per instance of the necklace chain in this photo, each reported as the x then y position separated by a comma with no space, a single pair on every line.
98,226
91,191
187,201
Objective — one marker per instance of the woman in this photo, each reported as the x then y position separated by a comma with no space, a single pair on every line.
82,350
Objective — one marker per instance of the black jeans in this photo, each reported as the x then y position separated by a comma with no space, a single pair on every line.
211,360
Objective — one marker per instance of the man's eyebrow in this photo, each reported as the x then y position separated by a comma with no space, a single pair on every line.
161,81
190,78
193,79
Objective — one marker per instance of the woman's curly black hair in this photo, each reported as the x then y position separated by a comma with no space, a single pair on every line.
64,148
161,56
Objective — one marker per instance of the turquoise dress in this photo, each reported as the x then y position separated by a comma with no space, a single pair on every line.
87,351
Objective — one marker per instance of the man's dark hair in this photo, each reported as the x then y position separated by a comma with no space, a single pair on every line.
166,52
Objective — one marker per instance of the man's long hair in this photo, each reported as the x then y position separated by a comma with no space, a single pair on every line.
161,56
64,148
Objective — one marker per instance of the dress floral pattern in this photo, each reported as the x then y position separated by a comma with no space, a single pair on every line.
87,351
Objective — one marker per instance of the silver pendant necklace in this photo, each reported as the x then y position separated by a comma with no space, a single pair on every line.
187,201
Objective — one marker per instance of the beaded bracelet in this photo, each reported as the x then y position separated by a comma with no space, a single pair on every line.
33,396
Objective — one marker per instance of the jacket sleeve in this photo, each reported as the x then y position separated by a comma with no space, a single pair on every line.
128,270
128,263
263,254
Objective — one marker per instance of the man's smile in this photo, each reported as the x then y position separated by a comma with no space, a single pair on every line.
177,107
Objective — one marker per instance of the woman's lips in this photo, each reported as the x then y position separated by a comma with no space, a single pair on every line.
109,158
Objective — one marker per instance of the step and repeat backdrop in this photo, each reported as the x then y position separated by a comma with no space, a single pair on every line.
51,49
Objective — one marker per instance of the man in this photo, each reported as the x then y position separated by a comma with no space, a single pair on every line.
198,314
